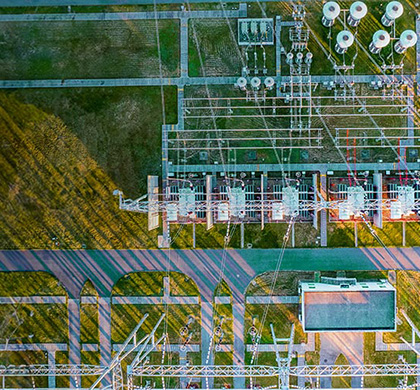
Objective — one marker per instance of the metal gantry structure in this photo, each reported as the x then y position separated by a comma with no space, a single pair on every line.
355,199
139,367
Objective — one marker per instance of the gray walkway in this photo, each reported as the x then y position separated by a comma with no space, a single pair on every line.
184,47
238,314
278,47
264,300
104,315
36,300
74,337
126,82
51,347
334,344
206,338
116,16
146,82
155,300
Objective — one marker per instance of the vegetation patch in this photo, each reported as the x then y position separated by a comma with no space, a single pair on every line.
25,284
125,317
38,323
64,152
88,49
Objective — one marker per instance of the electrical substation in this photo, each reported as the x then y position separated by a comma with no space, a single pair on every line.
314,127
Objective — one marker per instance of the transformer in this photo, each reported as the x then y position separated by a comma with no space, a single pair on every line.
358,10
380,39
330,12
407,39
344,40
393,11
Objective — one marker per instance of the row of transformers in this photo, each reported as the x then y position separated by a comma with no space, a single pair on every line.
380,39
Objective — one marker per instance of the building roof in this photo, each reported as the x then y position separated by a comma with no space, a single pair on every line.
364,306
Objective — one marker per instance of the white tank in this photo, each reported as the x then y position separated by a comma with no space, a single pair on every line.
358,10
172,212
223,212
309,57
277,211
393,11
299,58
380,40
329,13
407,39
289,58
269,83
344,40
241,83
255,83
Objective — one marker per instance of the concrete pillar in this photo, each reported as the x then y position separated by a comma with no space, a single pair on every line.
403,233
355,235
293,235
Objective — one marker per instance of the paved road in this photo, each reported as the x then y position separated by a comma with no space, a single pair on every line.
123,82
104,268
98,16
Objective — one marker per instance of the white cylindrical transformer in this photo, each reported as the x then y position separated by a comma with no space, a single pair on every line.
269,83
241,83
393,11
344,40
289,58
358,10
255,83
329,13
299,58
407,39
309,57
379,40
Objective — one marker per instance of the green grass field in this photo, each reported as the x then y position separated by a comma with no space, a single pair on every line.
65,152
215,40
94,49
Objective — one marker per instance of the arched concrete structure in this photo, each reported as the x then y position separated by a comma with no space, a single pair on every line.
104,268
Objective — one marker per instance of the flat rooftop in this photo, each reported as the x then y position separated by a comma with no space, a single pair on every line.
359,307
